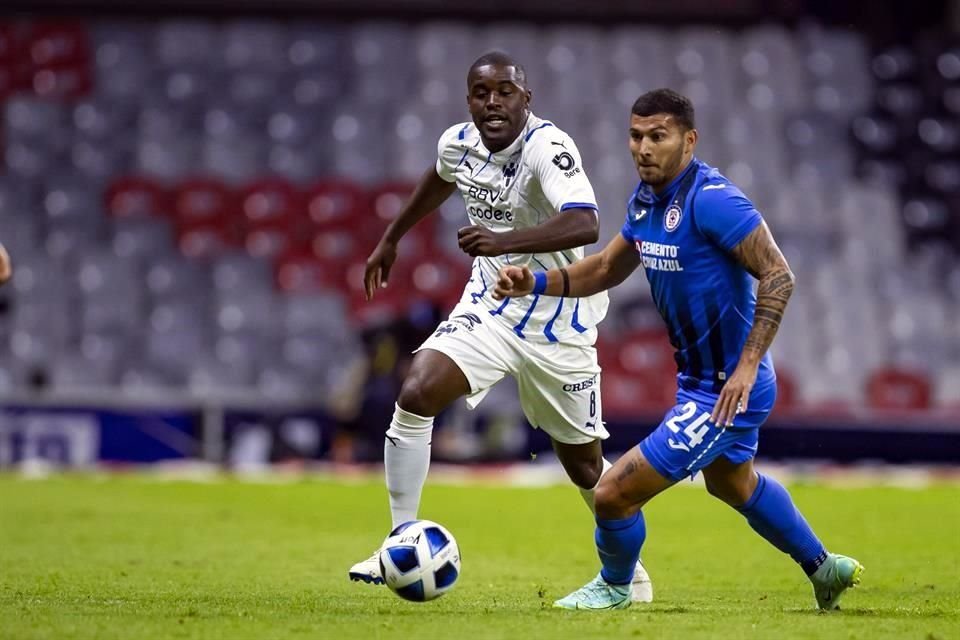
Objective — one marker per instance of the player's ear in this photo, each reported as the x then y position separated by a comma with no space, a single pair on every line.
690,138
529,96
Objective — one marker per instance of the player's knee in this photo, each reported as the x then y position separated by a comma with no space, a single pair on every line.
585,474
610,501
416,397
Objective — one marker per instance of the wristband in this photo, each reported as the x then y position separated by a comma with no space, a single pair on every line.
566,282
539,283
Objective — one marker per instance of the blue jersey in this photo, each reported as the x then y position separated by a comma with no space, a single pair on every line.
685,236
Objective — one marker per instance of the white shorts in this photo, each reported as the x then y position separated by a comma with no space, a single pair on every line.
559,384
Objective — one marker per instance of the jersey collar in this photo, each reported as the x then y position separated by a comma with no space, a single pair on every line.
501,156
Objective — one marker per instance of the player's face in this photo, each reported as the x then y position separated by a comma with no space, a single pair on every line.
661,147
498,103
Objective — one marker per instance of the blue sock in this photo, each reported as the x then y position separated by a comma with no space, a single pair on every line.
618,544
772,514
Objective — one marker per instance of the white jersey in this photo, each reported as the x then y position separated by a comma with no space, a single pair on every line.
537,177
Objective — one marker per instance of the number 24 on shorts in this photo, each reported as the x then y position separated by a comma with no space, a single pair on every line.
695,431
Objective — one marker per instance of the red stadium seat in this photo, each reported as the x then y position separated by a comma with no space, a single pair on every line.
10,47
334,203
201,200
628,395
61,82
387,199
271,199
57,44
787,393
440,280
646,351
136,196
895,388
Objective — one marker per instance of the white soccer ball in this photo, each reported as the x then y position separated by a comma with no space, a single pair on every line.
420,560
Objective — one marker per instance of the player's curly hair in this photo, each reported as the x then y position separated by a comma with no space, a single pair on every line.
666,101
499,58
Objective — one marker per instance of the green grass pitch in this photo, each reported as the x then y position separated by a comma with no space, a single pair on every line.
128,557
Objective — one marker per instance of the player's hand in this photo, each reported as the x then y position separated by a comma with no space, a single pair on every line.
513,282
735,395
378,267
479,241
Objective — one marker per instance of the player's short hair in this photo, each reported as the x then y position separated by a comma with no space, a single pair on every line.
666,101
501,59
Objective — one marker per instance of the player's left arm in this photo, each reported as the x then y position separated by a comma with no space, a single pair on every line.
574,227
759,254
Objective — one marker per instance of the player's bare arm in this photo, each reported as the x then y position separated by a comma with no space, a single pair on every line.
593,274
6,267
574,228
430,193
759,254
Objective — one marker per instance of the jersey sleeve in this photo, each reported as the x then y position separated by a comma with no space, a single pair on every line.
554,158
724,215
448,153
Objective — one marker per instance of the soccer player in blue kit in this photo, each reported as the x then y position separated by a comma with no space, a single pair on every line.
699,240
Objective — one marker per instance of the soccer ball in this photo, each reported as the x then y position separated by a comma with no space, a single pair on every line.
420,560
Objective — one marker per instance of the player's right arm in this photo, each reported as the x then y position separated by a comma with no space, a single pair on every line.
593,274
6,267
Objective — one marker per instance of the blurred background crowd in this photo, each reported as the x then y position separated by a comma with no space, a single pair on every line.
189,199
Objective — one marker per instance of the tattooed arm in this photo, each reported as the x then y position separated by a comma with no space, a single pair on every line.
759,254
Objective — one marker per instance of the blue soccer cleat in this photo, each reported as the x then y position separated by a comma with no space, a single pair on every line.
597,595
832,578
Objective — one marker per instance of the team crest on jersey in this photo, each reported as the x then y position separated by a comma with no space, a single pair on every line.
671,219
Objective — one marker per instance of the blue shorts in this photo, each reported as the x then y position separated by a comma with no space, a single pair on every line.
687,441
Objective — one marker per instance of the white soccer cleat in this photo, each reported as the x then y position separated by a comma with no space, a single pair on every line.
367,570
642,586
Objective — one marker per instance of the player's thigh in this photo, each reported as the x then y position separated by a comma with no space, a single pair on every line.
469,341
687,441
560,392
433,382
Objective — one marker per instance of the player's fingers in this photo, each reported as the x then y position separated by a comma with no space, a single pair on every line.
718,407
744,400
370,277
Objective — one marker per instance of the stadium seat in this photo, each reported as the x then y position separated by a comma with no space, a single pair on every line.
136,196
335,203
892,388
202,199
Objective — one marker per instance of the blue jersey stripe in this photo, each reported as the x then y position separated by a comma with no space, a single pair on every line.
579,205
480,170
533,131
463,132
519,328
499,310
476,296
462,158
575,322
548,329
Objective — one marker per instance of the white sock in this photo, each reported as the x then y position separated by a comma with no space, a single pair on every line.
588,493
406,456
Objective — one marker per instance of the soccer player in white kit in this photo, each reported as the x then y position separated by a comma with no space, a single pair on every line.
530,203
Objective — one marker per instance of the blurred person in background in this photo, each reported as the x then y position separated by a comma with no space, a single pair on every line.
530,200
699,240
